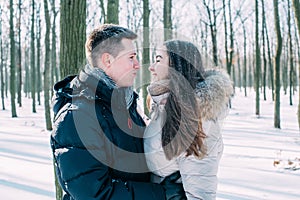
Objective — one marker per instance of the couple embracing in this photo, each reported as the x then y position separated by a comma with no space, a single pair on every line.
101,145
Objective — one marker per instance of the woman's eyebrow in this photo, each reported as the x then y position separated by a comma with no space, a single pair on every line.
158,56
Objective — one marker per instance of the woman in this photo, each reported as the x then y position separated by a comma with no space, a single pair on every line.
188,106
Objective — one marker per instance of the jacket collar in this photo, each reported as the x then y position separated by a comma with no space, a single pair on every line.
214,94
101,86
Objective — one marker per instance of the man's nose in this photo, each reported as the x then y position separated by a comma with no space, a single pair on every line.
136,64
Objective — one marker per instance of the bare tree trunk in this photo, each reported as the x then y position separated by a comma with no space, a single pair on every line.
1,64
257,60
72,36
146,53
291,53
245,59
46,68
228,52
250,67
206,44
112,12
226,41
46,88
72,43
54,74
102,7
12,61
297,57
6,74
27,73
296,5
167,15
264,51
284,64
38,55
19,64
231,37
239,69
277,65
213,28
32,60
271,76
2,78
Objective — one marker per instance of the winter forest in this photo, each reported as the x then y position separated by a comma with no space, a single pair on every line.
256,42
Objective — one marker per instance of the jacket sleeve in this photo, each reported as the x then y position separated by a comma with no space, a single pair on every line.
81,163
199,176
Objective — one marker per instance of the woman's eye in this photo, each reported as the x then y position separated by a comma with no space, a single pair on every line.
157,61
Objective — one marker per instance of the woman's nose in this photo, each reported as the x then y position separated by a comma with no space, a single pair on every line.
151,68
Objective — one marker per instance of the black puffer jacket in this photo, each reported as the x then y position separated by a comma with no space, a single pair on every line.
97,143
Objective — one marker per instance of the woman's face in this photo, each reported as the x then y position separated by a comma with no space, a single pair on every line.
160,68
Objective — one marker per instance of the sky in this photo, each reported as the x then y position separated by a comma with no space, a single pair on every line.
246,170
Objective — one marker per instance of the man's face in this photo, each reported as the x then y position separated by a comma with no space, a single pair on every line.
124,66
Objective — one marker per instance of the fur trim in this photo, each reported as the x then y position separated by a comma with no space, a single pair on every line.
214,94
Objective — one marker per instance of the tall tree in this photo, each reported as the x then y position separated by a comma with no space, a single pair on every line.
257,60
38,55
54,70
46,68
244,55
228,52
264,81
19,64
146,52
1,63
72,36
277,65
284,66
167,16
6,73
32,58
112,12
27,75
12,61
296,5
271,70
212,16
72,41
225,34
291,54
102,7
239,67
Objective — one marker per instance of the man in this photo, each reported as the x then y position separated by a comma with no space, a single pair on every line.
97,138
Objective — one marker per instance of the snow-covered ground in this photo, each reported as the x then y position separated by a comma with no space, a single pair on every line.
247,170
26,160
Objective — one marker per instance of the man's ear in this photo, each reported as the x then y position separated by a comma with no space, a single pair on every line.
106,59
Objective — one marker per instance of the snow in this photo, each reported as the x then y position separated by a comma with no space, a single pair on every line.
246,170
252,144
26,163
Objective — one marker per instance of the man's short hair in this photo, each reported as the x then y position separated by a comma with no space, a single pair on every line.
106,39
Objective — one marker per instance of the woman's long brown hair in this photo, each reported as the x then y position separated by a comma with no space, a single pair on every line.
182,131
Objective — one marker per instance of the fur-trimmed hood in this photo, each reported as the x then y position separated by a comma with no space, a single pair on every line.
214,94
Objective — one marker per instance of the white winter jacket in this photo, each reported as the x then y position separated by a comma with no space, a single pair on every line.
199,176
